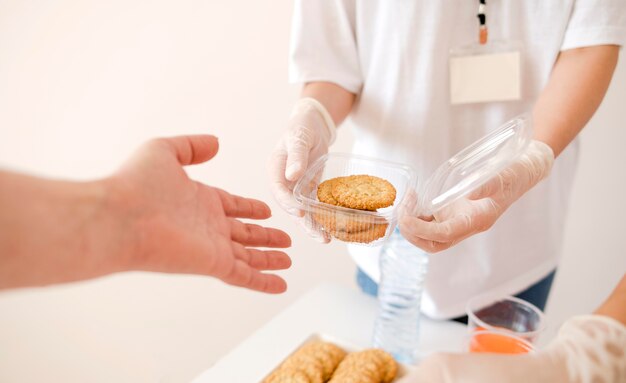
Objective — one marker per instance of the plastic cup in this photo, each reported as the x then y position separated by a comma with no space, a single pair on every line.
497,342
509,314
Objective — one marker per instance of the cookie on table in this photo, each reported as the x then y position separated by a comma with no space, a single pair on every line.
360,366
314,362
328,354
287,377
306,363
362,192
354,376
368,366
390,365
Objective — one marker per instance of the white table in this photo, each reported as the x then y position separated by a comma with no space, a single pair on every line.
328,310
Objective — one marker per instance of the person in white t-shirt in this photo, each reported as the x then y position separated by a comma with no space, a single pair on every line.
383,67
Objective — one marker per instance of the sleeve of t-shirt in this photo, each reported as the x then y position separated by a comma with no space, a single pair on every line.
596,22
323,44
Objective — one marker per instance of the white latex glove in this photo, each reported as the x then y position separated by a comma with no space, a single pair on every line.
588,349
481,209
310,132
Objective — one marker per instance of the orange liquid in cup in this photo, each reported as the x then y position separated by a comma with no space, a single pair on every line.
498,343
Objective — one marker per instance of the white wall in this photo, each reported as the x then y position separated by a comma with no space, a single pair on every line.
84,82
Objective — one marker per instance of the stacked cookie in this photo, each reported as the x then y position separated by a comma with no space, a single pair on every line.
314,362
368,366
360,192
321,362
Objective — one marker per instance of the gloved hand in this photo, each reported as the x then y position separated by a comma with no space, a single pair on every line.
480,209
310,132
588,349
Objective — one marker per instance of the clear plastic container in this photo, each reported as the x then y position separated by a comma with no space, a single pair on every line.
352,225
478,163
454,179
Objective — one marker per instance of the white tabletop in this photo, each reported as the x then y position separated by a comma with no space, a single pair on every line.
329,311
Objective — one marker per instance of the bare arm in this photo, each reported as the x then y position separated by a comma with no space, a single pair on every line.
615,305
337,101
47,229
147,216
578,83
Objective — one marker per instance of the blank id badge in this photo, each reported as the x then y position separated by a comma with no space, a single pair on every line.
485,73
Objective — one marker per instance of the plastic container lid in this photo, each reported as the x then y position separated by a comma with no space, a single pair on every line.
478,163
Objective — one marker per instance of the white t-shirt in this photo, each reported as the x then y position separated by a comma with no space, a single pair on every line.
394,55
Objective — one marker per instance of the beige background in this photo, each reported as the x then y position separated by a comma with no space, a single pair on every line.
84,82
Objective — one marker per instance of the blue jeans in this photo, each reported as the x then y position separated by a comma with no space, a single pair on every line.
536,294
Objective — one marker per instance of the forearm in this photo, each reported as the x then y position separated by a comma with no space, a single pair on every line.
615,304
51,231
577,85
337,101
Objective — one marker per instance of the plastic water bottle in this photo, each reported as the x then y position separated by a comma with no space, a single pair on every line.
403,268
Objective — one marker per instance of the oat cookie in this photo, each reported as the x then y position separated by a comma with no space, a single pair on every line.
324,191
341,221
390,365
306,363
366,366
314,362
357,367
328,354
371,191
375,232
363,192
279,376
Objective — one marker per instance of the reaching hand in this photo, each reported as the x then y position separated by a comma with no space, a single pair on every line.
482,208
177,225
588,349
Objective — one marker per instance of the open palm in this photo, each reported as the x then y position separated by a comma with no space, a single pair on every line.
183,226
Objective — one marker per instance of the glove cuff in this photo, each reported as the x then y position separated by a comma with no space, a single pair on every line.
543,151
308,103
594,347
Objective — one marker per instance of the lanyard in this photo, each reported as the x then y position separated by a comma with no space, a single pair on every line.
483,32
485,71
